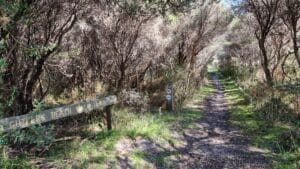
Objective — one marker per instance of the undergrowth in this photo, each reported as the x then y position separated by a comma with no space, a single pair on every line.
16,163
101,150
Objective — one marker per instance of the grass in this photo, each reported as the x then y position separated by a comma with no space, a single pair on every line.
19,162
100,150
163,159
16,163
265,134
128,125
97,149
205,90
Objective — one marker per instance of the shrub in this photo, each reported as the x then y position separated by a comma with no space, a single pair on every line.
289,141
16,163
228,70
134,99
37,135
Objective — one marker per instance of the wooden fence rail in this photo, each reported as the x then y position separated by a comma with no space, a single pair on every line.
27,120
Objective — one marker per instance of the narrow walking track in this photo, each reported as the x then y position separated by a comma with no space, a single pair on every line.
211,142
215,144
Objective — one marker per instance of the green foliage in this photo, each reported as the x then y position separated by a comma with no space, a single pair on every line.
172,18
13,7
12,97
205,90
36,52
16,163
172,75
291,88
228,71
2,48
38,106
4,102
274,110
184,84
12,163
163,159
289,141
37,135
2,69
148,126
101,148
33,52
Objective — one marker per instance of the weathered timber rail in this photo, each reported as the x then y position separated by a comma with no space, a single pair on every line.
27,120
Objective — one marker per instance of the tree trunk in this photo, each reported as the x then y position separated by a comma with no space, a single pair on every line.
265,63
121,79
295,43
181,55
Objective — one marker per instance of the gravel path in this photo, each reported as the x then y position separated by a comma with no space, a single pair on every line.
211,143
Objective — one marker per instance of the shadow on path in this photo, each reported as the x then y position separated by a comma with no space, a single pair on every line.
212,143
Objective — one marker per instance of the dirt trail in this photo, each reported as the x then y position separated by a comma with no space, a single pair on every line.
211,143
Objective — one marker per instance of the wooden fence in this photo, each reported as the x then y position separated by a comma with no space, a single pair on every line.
27,120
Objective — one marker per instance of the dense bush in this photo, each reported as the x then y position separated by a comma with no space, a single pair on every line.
2,102
40,136
229,70
135,100
289,141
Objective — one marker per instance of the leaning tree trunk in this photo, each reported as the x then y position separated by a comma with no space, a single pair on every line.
265,63
30,79
120,83
295,43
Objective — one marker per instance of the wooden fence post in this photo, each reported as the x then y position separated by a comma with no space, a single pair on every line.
108,117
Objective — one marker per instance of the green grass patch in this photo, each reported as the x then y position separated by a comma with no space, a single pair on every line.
100,150
146,160
204,91
15,163
264,133
97,148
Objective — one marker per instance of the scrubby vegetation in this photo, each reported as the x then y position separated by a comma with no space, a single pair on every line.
59,52
94,146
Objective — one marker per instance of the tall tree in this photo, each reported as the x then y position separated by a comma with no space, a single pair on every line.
291,16
264,13
35,33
